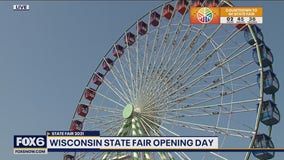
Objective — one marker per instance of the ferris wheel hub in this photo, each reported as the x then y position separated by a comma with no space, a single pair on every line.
127,111
137,110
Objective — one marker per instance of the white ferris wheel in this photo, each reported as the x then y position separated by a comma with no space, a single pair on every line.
166,77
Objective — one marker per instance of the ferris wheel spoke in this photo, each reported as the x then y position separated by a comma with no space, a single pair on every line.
99,119
167,44
182,76
81,155
110,99
206,128
166,73
185,156
138,70
202,127
164,40
209,128
210,98
122,71
155,66
212,107
120,77
107,128
212,86
205,43
208,72
213,113
105,109
235,103
148,128
227,94
211,110
110,131
192,43
97,155
176,44
151,56
207,88
195,54
181,156
205,59
154,83
131,79
122,95
100,123
204,75
177,57
145,54
218,155
160,126
185,87
190,46
156,69
230,73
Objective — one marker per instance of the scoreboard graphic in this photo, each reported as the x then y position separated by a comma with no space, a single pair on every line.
226,15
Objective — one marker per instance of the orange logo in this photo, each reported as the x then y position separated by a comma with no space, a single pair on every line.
204,15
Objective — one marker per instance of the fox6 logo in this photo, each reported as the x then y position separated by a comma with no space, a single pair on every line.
29,141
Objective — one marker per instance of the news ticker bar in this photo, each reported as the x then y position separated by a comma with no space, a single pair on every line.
91,141
226,15
65,141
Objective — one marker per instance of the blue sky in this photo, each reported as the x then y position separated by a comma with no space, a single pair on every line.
47,55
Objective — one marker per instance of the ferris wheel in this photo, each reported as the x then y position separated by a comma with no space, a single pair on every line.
166,77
